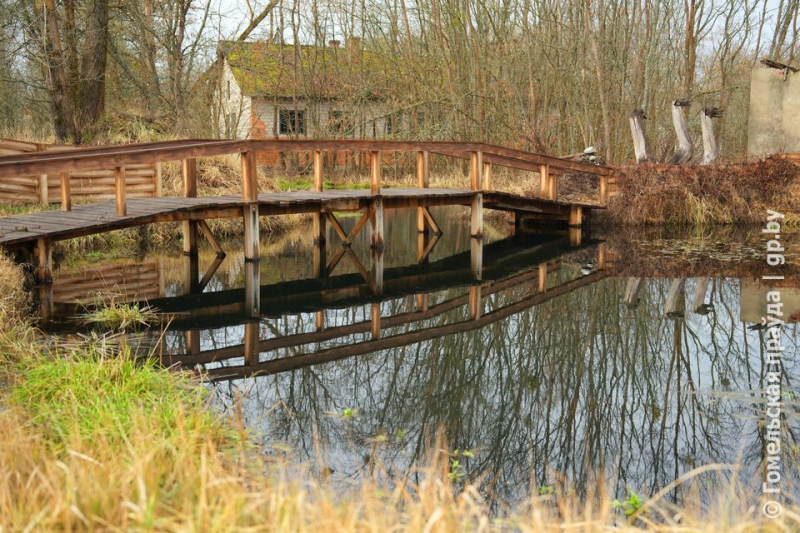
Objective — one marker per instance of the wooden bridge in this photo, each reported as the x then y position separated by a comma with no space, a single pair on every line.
37,232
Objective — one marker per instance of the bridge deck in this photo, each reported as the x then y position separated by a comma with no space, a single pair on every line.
102,217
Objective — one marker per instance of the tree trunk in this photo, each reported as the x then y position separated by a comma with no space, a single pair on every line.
710,149
63,112
685,149
95,52
641,146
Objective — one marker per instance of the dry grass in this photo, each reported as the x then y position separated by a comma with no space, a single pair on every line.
701,195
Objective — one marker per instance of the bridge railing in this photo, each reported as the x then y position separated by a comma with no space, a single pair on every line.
482,158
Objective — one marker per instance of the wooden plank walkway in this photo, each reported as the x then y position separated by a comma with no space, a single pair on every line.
22,230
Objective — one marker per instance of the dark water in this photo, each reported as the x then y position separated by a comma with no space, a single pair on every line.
569,384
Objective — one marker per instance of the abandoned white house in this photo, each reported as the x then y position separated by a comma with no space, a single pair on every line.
285,91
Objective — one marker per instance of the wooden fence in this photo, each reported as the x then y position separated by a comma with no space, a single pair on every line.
142,181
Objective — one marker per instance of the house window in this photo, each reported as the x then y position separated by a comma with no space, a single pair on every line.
291,121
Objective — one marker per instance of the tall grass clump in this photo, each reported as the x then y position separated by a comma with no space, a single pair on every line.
700,195
120,316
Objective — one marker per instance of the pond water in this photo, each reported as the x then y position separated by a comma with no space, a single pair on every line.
634,358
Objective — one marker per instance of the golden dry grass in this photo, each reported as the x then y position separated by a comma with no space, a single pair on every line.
700,195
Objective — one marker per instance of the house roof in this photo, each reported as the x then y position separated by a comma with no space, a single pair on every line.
281,70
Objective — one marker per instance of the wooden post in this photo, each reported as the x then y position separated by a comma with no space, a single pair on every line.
376,270
159,184
544,182
190,237
601,256
603,189
641,147
319,183
252,288
375,318
575,216
189,171
66,193
516,224
476,225
632,288
476,170
475,306
193,342
543,277
44,193
487,176
44,250
376,223
553,189
423,180
685,149
476,258
46,307
319,321
375,171
676,299
252,332
422,302
249,177
575,236
320,255
699,301
191,274
119,180
252,250
710,149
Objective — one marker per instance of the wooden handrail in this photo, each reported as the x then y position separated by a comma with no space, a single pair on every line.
110,156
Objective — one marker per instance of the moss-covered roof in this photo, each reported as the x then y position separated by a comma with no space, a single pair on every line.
285,70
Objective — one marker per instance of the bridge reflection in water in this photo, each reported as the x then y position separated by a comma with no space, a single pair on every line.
532,265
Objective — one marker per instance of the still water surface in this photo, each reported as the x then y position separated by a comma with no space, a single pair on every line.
589,369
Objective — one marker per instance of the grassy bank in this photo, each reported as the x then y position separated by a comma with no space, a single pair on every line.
95,439
699,195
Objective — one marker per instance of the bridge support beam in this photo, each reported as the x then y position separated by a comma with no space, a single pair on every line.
252,289
376,223
252,250
252,332
423,181
375,320
376,271
191,274
44,252
543,277
189,237
320,252
475,303
476,224
575,237
476,258
575,216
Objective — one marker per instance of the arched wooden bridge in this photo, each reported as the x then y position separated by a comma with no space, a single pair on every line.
40,230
